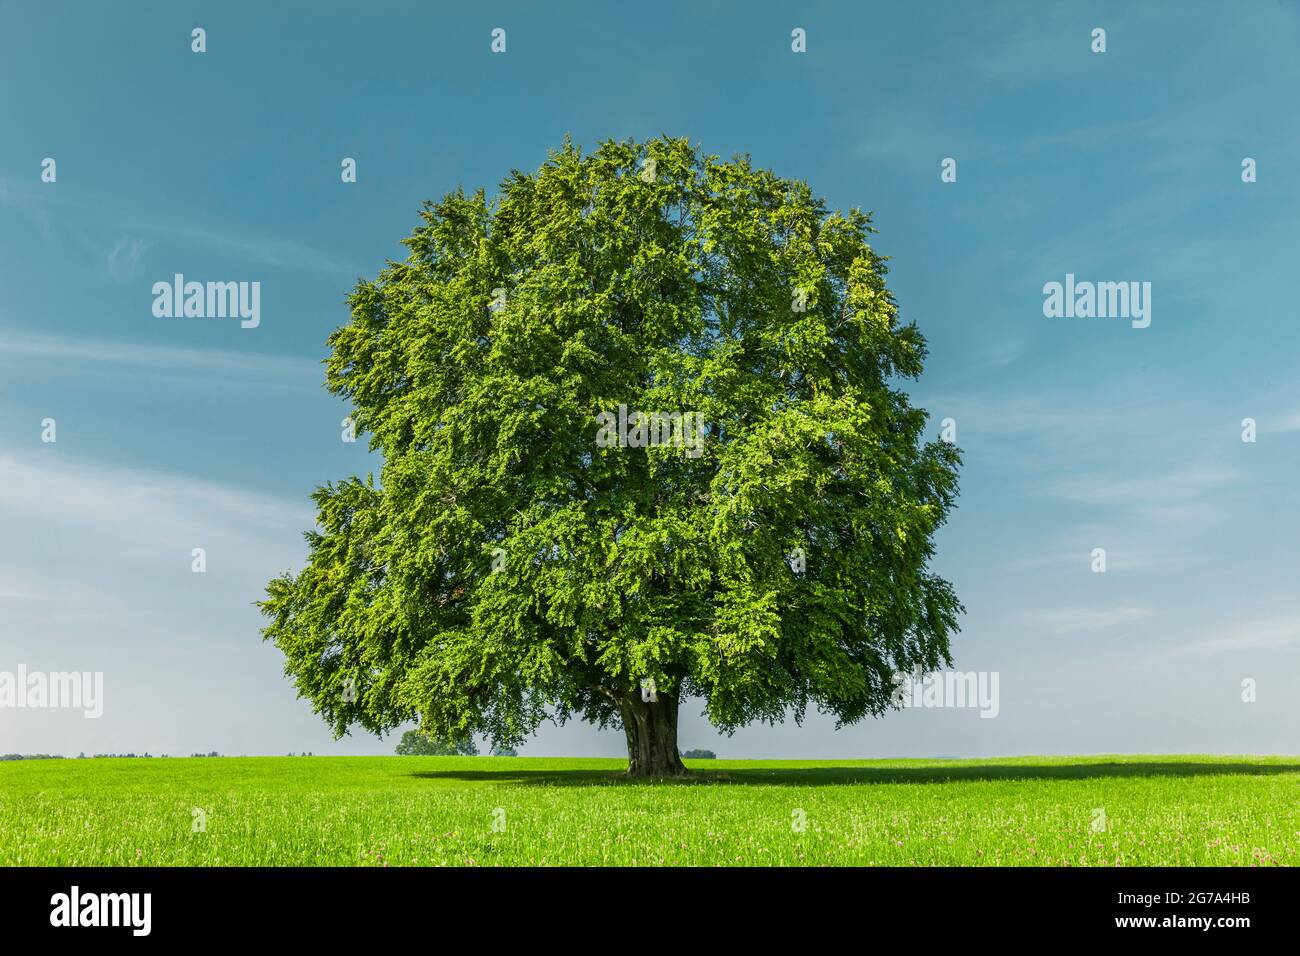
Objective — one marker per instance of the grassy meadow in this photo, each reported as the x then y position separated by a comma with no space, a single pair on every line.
489,811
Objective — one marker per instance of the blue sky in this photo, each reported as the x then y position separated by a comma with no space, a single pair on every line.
1079,433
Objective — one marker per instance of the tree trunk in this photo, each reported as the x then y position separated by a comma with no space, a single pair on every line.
651,730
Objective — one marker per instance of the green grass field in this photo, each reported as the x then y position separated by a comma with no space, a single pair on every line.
486,811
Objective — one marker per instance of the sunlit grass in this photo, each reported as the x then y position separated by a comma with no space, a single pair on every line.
460,811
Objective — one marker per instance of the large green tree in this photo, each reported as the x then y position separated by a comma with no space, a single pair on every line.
513,563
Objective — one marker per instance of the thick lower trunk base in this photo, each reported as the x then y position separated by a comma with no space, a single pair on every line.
651,730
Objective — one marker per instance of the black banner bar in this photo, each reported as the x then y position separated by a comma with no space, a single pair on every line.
334,905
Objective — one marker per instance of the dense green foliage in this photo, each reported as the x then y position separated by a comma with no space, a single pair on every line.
1185,810
507,565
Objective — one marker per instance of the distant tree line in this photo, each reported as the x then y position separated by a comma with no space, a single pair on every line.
82,756
126,755
413,744
31,757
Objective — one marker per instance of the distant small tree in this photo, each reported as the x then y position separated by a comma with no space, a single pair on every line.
700,755
416,744
499,751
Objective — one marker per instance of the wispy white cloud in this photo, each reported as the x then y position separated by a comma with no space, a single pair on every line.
145,501
1047,413
1156,494
1288,423
1125,552
1254,635
84,540
283,370
103,223
124,258
1070,619
264,250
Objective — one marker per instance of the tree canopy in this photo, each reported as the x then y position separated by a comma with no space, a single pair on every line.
551,533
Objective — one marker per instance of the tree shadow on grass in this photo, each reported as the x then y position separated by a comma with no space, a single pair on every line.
841,776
